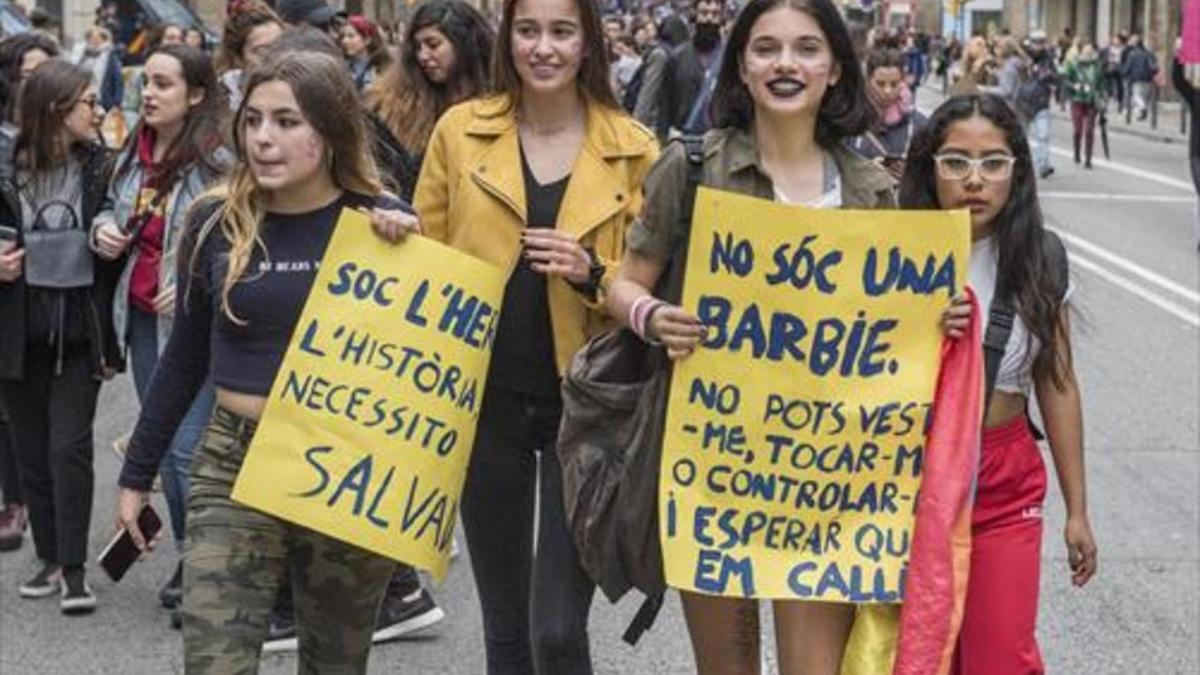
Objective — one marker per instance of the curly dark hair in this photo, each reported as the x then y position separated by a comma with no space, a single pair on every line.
1025,277
12,51
845,110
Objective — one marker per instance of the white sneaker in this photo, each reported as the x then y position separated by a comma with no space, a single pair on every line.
76,596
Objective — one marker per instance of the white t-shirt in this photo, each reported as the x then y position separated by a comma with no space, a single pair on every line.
831,193
1016,367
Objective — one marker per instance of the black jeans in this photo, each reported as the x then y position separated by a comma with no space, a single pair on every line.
51,415
517,588
10,475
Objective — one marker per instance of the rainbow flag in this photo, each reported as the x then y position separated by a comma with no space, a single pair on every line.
919,637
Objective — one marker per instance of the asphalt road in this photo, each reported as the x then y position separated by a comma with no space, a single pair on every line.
1130,233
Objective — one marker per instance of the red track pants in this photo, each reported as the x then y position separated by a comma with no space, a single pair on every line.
1006,538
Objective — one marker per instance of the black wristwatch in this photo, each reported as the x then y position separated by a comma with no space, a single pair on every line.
596,271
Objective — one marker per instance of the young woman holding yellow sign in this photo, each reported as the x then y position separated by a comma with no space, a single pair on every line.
973,155
541,180
303,157
789,93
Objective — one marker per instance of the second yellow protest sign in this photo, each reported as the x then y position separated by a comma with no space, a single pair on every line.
795,433
369,427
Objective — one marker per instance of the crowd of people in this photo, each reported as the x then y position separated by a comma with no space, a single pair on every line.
137,208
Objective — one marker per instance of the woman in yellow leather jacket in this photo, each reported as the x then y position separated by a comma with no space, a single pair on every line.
542,180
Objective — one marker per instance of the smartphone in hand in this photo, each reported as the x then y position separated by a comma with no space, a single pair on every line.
121,552
8,238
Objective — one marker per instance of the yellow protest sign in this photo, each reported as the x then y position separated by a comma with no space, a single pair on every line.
369,427
795,433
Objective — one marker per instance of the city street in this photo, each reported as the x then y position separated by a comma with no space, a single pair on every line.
1129,229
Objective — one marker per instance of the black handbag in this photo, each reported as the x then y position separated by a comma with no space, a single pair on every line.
610,447
58,258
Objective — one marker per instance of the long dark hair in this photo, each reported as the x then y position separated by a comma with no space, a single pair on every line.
592,80
12,52
845,111
45,100
407,102
1024,277
201,135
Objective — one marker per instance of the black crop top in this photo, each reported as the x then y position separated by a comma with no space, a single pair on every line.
242,357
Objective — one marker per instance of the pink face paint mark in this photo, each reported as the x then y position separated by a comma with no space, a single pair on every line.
312,149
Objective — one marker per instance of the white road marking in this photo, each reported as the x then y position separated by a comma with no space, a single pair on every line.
1097,196
1159,178
1188,316
1104,254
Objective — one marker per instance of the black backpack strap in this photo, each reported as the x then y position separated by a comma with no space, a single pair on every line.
1002,315
995,340
694,147
644,619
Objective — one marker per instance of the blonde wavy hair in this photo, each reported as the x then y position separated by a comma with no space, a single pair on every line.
322,87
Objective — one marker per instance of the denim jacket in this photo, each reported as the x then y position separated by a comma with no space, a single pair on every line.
122,199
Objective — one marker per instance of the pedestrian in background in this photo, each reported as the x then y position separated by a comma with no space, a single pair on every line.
195,38
973,155
98,55
690,75
443,60
896,118
366,55
626,65
1139,70
303,156
790,95
251,27
1087,89
1111,57
1033,100
915,62
174,154
644,96
541,179
56,339
1012,71
19,56
975,69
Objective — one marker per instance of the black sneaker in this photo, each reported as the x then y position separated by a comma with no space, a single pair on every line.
281,634
43,584
77,597
1047,172
171,595
177,618
405,615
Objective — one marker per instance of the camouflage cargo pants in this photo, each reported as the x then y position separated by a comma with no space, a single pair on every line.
236,559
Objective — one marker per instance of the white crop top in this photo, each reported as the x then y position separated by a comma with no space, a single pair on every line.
1016,368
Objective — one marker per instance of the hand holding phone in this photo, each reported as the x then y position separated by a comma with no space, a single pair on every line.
122,551
8,238
11,266
111,242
